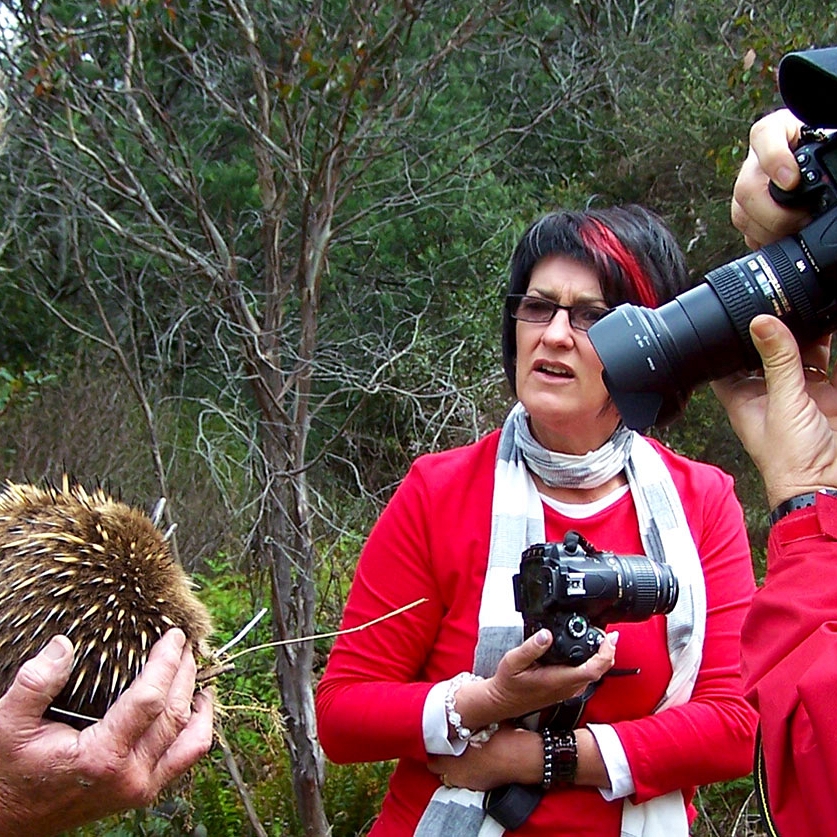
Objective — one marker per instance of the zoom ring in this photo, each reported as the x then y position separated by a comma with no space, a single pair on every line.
646,589
739,307
801,306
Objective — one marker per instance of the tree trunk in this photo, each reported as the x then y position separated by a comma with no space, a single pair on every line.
285,545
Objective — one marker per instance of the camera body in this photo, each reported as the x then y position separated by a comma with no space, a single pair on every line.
817,161
653,358
574,590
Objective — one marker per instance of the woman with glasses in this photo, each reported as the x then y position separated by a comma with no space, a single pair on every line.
487,737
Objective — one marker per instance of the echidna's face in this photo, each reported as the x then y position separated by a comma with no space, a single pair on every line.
100,573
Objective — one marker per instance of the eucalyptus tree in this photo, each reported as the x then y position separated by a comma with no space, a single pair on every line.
205,173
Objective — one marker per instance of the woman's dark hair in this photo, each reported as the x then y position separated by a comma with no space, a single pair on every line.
629,248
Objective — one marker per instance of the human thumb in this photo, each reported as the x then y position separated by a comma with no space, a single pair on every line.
39,681
780,356
534,648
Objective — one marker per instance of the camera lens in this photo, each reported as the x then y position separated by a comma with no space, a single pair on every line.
653,358
648,587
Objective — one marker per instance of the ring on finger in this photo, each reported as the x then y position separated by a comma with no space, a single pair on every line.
815,373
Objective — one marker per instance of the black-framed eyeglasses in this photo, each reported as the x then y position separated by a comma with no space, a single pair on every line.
538,309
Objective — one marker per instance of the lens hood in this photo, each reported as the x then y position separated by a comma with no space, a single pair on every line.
808,84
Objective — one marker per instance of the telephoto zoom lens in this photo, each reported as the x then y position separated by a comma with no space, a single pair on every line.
654,358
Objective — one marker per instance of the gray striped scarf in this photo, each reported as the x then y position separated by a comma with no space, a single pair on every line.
517,521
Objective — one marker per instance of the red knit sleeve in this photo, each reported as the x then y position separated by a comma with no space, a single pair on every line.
369,707
710,738
789,654
430,542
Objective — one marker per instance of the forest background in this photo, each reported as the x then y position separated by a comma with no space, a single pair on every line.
253,258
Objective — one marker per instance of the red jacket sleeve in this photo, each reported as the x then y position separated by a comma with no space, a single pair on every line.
789,660
682,746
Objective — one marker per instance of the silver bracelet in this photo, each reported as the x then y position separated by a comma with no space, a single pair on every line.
548,759
477,738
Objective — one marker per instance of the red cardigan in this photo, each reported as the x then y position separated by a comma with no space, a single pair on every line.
432,540
789,652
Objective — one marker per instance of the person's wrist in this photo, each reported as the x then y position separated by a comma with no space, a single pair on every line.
474,705
795,502
779,489
560,758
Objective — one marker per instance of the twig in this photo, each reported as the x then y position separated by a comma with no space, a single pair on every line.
362,627
242,633
235,774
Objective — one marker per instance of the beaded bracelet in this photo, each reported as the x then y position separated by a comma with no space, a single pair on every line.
477,738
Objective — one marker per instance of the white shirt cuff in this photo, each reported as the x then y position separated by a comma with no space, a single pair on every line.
434,723
615,762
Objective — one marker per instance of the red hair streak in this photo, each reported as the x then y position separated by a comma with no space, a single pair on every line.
597,236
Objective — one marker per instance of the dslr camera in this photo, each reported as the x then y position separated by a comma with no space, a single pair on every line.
653,358
574,590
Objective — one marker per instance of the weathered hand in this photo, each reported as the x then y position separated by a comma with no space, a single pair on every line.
522,685
53,777
787,421
753,211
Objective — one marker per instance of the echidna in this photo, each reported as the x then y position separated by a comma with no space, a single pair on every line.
98,571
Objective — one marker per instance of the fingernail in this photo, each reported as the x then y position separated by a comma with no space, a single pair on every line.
613,636
179,638
785,177
764,327
55,650
542,637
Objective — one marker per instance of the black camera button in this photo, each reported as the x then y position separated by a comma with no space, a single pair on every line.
802,158
811,175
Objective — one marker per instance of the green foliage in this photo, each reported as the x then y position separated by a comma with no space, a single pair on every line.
22,386
218,807
442,160
728,809
353,796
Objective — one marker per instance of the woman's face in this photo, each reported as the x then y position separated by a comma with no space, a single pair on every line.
558,373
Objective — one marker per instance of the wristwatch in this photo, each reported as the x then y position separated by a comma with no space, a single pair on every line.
801,501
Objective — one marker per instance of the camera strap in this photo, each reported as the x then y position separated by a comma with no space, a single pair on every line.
567,714
760,782
511,805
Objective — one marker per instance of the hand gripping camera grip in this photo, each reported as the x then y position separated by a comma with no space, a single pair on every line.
790,200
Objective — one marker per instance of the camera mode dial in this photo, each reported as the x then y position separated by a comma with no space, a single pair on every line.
577,626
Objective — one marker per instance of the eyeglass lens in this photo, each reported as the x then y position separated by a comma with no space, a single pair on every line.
535,309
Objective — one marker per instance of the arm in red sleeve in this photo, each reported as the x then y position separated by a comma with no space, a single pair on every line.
369,706
428,543
709,738
789,660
